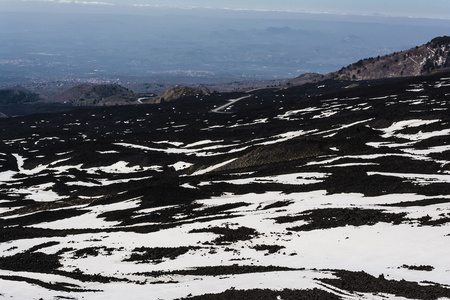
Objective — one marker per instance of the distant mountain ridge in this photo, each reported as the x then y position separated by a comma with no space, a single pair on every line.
421,60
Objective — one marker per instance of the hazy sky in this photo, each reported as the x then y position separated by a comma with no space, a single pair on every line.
404,8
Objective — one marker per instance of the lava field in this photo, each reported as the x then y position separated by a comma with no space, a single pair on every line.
333,190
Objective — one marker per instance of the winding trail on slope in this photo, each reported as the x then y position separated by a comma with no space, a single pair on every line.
220,109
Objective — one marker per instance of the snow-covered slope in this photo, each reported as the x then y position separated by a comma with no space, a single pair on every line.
338,193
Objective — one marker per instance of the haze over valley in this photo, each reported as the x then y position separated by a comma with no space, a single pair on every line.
182,46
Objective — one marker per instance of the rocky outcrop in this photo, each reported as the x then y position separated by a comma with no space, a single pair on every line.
86,94
421,60
179,92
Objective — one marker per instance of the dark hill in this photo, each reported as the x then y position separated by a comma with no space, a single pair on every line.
179,92
14,96
86,94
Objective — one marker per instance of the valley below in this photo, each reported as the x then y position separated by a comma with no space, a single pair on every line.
327,190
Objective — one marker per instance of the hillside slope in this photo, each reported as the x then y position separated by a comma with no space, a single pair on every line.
308,192
14,96
179,92
89,94
422,60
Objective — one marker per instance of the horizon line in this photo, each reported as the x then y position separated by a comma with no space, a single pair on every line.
261,10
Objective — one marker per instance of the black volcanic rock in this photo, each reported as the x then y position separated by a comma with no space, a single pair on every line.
258,294
363,282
